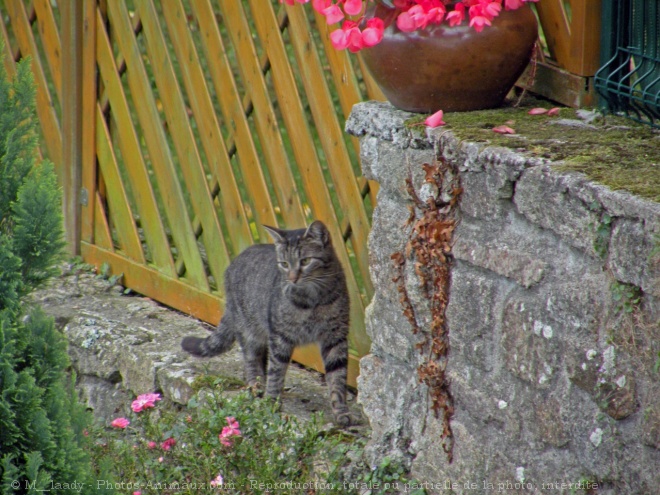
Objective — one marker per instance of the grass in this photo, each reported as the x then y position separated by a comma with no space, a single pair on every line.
616,152
274,452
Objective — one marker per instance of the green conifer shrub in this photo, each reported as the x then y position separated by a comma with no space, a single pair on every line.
41,420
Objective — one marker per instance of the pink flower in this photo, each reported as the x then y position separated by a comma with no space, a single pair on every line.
478,22
120,423
232,430
435,120
436,14
144,401
138,492
217,481
456,16
333,14
168,444
349,36
353,7
373,33
321,5
405,22
151,445
414,18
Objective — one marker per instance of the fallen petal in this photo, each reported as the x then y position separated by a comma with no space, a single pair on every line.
503,129
435,120
537,111
553,111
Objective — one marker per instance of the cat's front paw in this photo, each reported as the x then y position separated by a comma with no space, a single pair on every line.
193,345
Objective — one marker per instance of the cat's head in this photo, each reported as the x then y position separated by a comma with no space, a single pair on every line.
305,257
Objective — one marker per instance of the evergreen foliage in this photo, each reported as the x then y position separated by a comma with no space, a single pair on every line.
41,421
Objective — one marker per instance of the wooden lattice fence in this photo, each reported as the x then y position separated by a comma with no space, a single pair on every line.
181,127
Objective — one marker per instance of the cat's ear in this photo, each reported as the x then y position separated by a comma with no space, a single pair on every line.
317,231
276,234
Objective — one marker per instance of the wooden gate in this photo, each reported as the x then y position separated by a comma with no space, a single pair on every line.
179,128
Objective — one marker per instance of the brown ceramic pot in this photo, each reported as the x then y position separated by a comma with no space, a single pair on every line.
455,68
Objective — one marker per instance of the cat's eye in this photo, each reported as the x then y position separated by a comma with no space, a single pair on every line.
305,261
283,264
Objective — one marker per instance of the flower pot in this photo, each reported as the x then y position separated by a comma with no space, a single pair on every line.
455,69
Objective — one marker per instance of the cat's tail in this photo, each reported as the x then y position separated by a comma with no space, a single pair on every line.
218,342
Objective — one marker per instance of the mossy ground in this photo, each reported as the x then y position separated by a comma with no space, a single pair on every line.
616,152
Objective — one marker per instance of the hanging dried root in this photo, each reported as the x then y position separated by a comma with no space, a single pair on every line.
430,247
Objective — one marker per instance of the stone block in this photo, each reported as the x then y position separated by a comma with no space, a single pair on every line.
530,342
545,198
176,381
499,257
466,472
486,195
108,401
390,331
382,120
472,316
396,405
388,236
91,343
137,370
613,390
391,166
631,256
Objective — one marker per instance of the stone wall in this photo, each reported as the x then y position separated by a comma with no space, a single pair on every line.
553,322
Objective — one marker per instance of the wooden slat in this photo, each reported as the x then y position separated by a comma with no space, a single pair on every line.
233,113
332,137
573,43
121,215
154,136
45,110
50,40
214,146
136,169
585,37
88,153
303,147
264,113
154,284
71,167
184,141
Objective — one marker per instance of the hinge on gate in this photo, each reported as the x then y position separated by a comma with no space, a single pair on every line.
84,196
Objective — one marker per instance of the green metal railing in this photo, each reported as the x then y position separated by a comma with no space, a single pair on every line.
629,79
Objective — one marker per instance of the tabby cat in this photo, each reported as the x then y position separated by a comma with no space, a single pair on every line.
279,296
